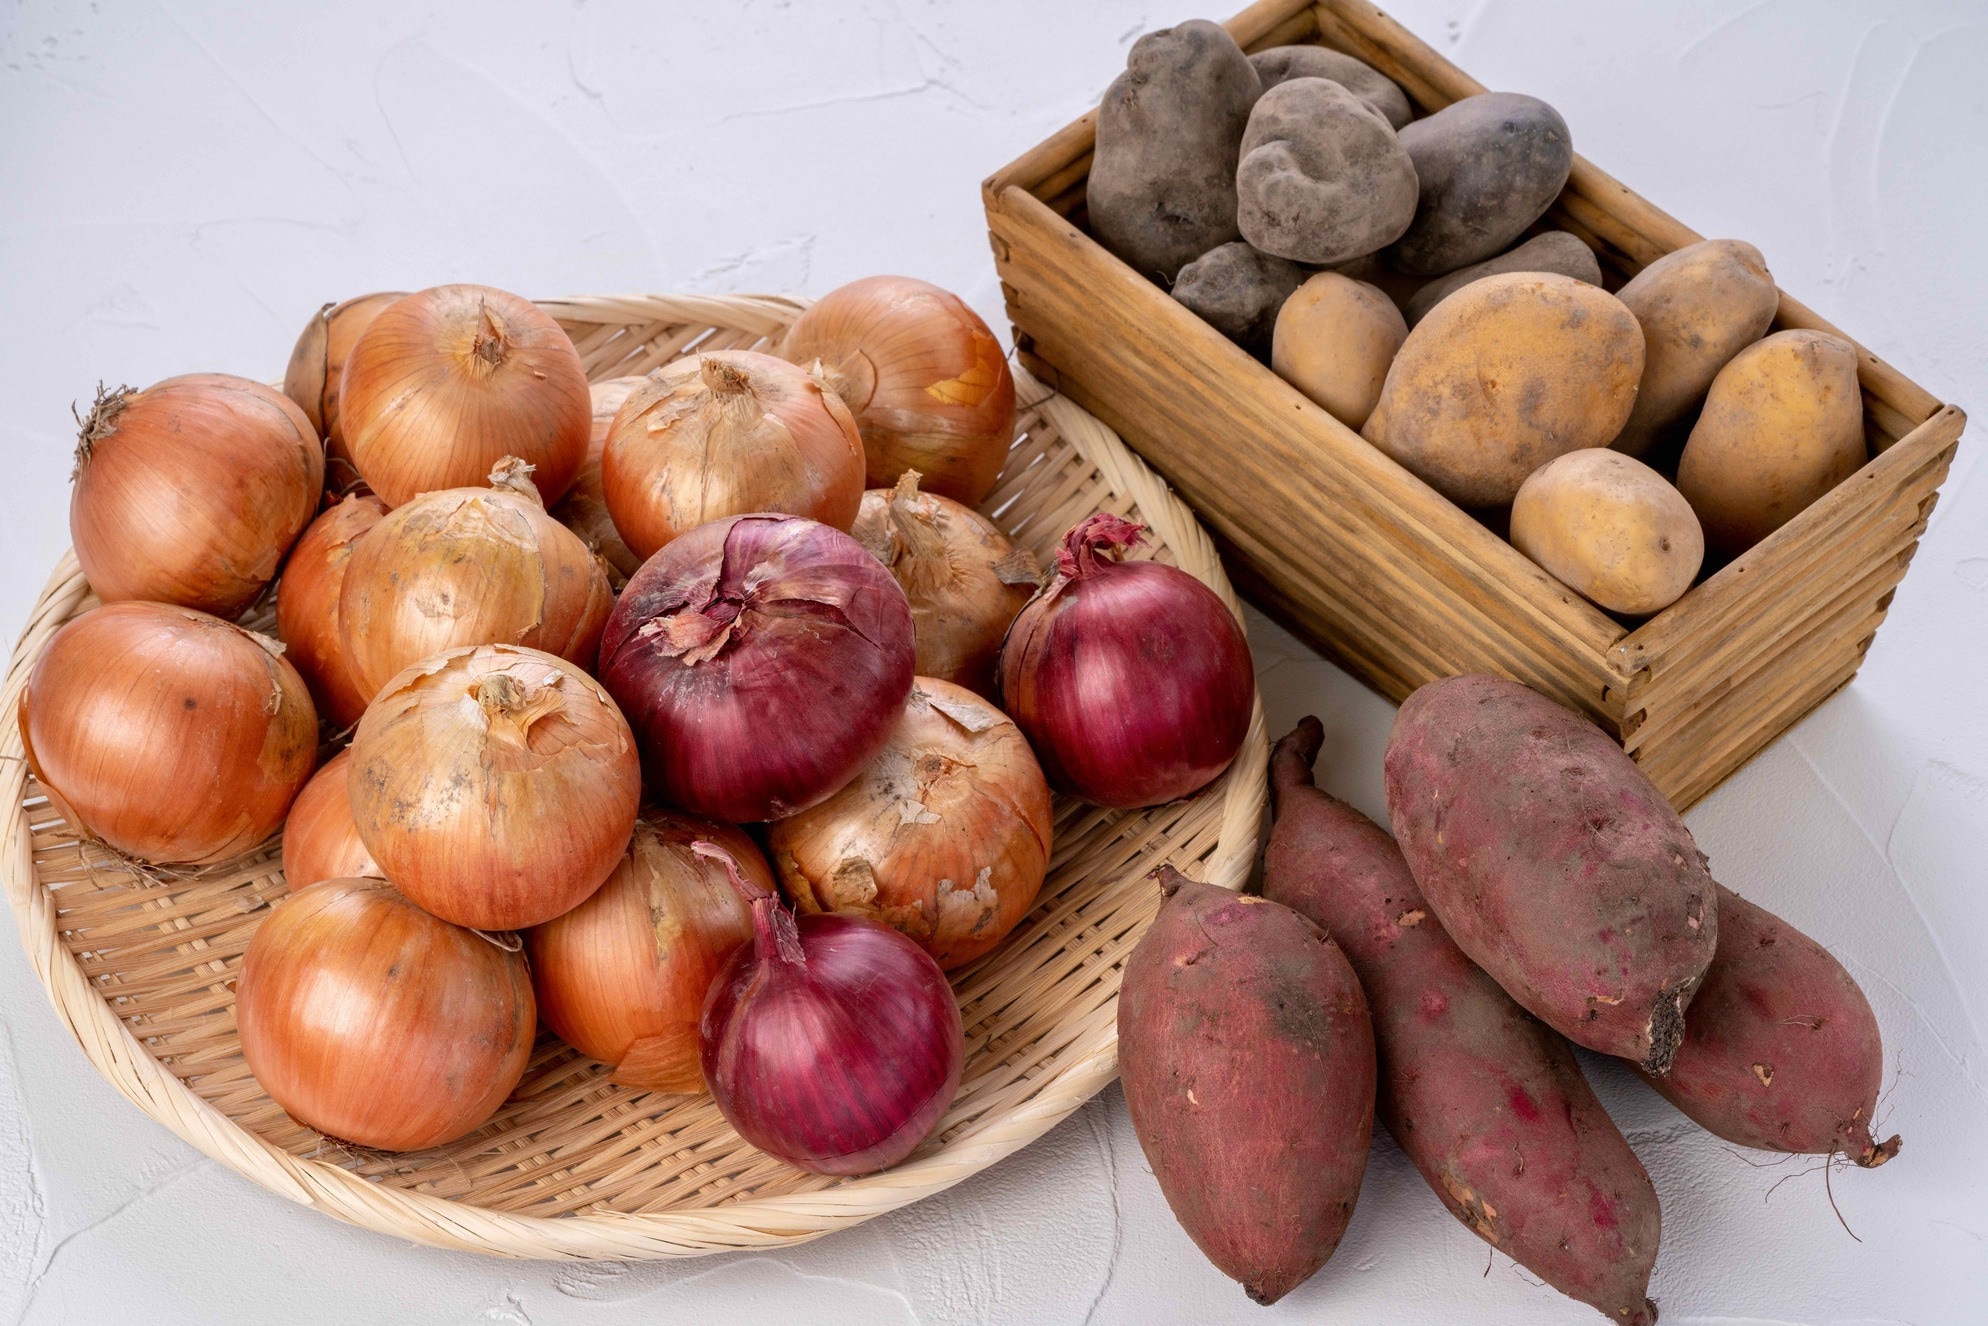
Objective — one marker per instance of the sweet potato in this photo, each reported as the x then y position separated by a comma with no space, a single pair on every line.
1248,1061
1780,1049
1488,1103
1553,862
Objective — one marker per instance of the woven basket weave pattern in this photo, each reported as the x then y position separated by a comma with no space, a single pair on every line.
140,963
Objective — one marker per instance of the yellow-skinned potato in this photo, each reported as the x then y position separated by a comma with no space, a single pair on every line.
1611,529
1503,376
1782,425
1334,341
1698,307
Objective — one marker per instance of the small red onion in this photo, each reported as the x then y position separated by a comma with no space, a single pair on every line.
1131,680
762,660
832,1042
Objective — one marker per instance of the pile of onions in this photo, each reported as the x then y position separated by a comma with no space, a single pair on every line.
307,607
724,434
376,1024
191,491
832,1043
320,841
317,369
171,735
964,579
762,660
944,836
924,377
445,383
584,508
496,786
622,977
469,566
1131,680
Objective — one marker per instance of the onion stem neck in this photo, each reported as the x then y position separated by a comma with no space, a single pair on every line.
723,378
776,936
98,424
491,345
1097,541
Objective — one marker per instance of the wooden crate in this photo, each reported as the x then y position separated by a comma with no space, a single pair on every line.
1382,572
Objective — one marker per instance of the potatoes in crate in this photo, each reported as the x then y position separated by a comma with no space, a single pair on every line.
1322,178
1334,341
1489,165
1554,251
1611,529
1238,290
1280,64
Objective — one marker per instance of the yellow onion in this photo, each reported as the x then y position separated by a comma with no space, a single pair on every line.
945,836
376,1024
496,786
445,383
622,977
307,606
964,579
320,841
469,566
317,369
167,733
191,491
926,380
584,508
729,433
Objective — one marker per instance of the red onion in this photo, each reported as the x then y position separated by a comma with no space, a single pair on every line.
832,1042
762,661
1131,680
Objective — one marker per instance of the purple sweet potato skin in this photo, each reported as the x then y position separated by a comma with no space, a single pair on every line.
1553,862
1248,1062
1781,1050
1489,1104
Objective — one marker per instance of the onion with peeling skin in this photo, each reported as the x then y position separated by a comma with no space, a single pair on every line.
317,370
584,508
964,579
320,841
307,607
945,836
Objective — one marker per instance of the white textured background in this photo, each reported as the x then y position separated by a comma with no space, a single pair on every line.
182,183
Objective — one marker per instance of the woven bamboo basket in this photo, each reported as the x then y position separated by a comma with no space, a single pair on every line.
140,963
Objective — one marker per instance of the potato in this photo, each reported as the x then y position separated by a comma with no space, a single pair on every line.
1503,376
1334,341
1238,291
1611,529
1322,177
1699,306
1163,184
1782,425
1554,251
1280,64
1490,165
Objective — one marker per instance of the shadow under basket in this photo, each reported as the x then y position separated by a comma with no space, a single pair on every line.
141,962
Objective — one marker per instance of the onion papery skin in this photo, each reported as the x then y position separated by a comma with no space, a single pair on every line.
584,508
377,1024
446,382
317,372
190,492
1131,680
762,661
320,841
496,786
963,577
833,1043
726,434
307,607
945,836
171,735
469,566
923,375
623,976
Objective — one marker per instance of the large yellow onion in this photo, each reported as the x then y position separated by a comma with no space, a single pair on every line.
307,606
469,566
320,841
584,508
622,977
376,1024
191,491
924,377
317,370
729,433
944,836
167,733
445,383
964,578
496,786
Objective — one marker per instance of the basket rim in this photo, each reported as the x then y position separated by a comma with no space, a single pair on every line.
754,1222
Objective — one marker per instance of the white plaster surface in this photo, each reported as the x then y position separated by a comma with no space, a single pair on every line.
182,182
